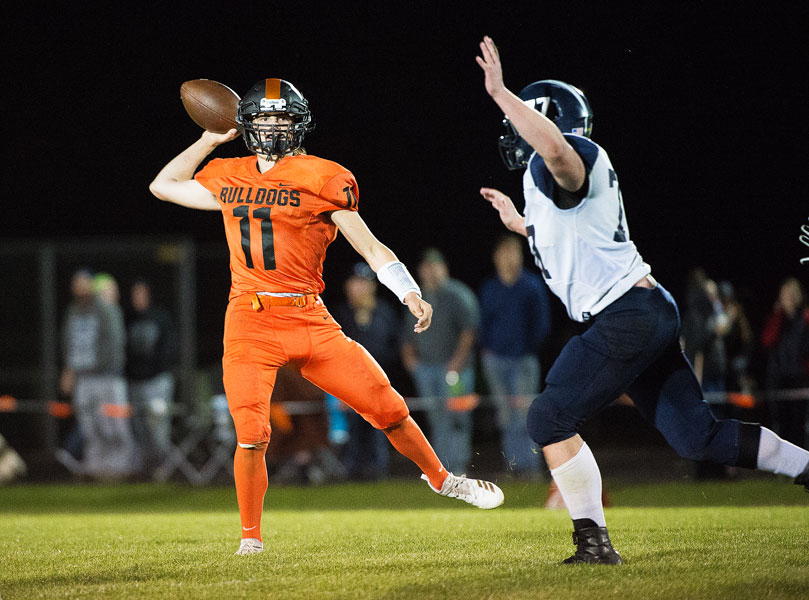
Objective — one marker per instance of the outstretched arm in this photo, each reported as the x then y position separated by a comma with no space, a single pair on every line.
175,182
537,130
380,257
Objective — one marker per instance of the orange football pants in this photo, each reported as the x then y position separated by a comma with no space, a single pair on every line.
257,343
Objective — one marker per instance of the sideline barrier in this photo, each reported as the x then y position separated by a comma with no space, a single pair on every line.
214,429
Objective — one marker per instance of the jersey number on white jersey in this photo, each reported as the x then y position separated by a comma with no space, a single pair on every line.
529,229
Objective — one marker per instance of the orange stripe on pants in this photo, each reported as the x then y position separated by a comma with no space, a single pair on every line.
309,339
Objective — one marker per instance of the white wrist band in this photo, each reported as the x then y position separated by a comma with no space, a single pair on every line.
397,279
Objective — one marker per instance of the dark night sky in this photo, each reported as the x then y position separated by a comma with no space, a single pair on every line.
702,110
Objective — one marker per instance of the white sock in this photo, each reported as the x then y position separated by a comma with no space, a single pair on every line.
579,482
780,456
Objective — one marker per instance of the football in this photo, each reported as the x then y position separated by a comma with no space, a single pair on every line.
211,105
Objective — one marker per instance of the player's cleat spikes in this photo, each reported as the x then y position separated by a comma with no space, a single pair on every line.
803,478
249,546
593,547
483,494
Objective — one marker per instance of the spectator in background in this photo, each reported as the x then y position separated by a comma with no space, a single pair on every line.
106,288
786,339
442,360
375,324
739,340
515,320
299,451
81,291
93,350
694,286
151,355
705,326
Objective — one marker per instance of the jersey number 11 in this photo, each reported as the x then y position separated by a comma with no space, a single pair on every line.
267,248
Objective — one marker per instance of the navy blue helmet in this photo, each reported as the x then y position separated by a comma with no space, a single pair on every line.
562,103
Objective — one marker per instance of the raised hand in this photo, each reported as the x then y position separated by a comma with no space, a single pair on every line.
505,208
490,63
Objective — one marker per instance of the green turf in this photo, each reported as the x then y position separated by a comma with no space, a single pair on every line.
747,539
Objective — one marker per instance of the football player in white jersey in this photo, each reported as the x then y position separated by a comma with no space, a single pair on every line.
576,228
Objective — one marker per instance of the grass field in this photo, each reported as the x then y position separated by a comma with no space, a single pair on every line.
744,539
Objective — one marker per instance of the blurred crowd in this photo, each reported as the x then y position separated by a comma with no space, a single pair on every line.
118,376
730,357
486,353
734,361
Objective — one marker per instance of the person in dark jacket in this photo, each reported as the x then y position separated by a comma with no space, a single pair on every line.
151,355
515,321
373,323
786,338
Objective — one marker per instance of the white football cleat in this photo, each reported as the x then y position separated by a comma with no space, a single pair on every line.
477,492
249,546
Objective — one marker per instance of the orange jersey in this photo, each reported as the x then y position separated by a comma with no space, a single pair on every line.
277,223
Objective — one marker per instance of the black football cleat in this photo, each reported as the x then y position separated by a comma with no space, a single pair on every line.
593,547
803,478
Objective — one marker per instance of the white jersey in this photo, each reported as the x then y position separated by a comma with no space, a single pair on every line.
584,252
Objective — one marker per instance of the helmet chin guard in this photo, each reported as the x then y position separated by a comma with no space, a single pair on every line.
560,102
514,150
280,98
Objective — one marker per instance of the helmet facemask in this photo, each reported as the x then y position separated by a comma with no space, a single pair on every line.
272,140
513,149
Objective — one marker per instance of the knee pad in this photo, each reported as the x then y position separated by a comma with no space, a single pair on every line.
258,446
394,426
544,423
251,429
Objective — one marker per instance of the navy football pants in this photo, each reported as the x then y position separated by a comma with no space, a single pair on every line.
633,347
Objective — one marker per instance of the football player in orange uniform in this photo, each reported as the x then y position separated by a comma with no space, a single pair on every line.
281,209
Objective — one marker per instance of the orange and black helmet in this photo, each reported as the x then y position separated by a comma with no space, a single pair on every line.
274,97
